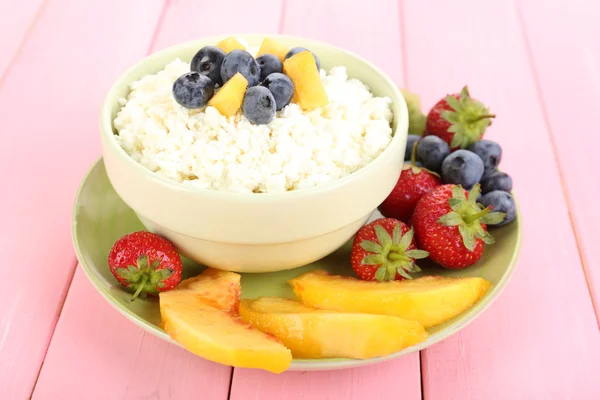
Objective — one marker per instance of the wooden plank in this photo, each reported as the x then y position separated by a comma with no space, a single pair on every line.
97,354
136,364
16,20
567,63
540,339
398,378
50,101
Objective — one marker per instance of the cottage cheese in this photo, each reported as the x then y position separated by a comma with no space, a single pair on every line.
296,150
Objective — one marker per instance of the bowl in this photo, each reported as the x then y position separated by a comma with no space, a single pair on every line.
255,232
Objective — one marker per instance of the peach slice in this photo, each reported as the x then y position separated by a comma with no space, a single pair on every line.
194,317
429,300
309,92
229,98
272,46
312,333
229,44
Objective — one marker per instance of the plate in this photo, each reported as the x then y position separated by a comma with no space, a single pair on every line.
100,218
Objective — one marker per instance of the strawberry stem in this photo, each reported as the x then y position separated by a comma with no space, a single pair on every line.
484,116
396,257
473,217
413,153
140,288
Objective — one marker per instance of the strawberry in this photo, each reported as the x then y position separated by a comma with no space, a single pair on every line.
145,263
451,226
458,119
385,250
413,183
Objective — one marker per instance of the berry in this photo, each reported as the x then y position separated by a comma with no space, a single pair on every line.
297,50
259,105
431,152
489,152
193,90
452,227
410,142
463,167
497,181
385,250
414,182
416,118
281,87
145,263
208,61
502,202
269,64
458,119
240,61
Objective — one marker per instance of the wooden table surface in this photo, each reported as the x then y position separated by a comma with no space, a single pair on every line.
536,63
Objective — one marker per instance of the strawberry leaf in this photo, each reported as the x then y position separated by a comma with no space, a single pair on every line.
383,236
474,194
488,239
450,116
451,219
125,274
406,239
417,254
396,234
493,218
371,246
468,237
381,273
458,193
372,259
453,103
454,203
403,273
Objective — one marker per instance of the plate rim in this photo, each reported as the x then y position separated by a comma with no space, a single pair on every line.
301,364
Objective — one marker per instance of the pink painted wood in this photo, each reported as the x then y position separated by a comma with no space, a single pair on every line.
98,354
540,340
567,66
50,100
15,23
312,19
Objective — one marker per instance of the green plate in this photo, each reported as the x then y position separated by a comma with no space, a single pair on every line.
100,217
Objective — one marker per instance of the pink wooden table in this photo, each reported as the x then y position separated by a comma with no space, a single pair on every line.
536,63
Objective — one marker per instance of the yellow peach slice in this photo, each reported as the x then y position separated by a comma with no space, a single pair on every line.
229,98
229,44
430,300
309,92
312,333
272,46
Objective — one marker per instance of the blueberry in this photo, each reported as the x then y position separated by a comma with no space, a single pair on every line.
240,61
193,90
207,61
490,152
463,167
431,152
501,202
410,141
297,50
269,64
281,87
496,181
259,105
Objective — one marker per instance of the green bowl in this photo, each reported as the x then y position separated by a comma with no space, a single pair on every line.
100,217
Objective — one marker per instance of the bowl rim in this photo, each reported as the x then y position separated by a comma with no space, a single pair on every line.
107,133
325,364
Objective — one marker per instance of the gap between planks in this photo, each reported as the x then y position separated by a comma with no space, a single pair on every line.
28,31
561,175
75,262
